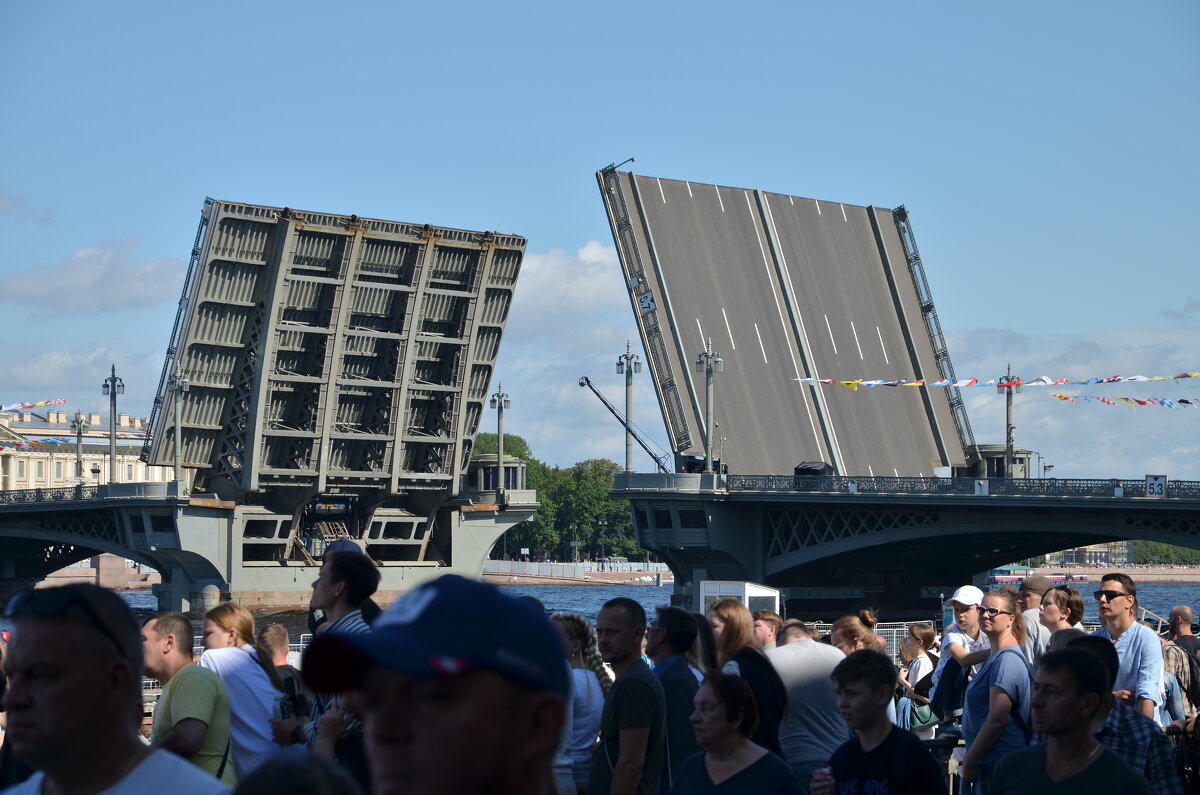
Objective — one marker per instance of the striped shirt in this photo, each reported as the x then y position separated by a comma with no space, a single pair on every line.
350,624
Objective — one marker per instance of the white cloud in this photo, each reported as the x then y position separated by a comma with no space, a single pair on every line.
24,209
571,317
95,279
1190,308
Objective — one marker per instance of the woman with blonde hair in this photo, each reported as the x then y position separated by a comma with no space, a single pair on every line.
590,685
738,654
249,675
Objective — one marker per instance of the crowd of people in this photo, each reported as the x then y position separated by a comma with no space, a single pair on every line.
458,687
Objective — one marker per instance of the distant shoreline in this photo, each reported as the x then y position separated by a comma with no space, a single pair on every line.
1138,573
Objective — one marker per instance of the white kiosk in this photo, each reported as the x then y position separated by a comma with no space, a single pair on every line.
751,594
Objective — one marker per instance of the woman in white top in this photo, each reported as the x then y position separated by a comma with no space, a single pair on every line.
249,675
590,684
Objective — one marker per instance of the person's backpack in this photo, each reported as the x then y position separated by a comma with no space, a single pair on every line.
1192,691
947,701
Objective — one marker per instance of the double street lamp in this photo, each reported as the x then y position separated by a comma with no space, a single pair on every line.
709,362
500,402
113,386
628,363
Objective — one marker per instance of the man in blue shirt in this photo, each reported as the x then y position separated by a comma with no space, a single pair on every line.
1139,677
671,633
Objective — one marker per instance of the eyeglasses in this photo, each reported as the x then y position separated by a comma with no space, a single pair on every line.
1109,595
53,602
994,611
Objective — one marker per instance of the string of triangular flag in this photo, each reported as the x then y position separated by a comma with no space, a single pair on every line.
1133,403
38,405
854,384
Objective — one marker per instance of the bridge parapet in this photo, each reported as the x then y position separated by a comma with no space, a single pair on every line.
1113,488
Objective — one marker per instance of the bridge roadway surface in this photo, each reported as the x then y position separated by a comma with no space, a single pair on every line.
788,288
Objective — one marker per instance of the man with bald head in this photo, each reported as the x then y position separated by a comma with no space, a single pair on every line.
1181,629
74,698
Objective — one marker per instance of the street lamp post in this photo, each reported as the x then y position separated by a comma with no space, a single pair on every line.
709,362
179,385
500,402
80,425
1006,387
574,541
113,386
628,363
601,524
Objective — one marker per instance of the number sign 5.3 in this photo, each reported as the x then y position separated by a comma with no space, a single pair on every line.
1156,485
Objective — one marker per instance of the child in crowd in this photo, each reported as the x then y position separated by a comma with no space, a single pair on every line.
880,757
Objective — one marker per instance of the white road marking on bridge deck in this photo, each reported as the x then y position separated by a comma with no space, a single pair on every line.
833,447
886,360
703,340
664,196
831,339
760,344
844,218
894,472
870,471
728,330
718,190
818,206
690,196
855,333
793,201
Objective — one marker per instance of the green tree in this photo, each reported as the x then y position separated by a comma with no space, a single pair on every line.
1151,552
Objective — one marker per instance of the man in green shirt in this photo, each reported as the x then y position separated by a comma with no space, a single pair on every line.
192,716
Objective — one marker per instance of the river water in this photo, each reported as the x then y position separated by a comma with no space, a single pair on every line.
588,599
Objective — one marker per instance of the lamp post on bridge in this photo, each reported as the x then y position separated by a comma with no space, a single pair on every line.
1005,387
574,541
628,363
80,424
500,402
179,385
113,386
709,362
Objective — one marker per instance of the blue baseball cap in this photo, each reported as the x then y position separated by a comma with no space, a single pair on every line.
422,634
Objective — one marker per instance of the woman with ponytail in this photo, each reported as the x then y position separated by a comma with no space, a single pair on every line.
590,684
249,675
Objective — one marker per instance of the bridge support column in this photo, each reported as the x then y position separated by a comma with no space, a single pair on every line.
179,591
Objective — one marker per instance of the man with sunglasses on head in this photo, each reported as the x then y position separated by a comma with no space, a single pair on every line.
74,699
1139,677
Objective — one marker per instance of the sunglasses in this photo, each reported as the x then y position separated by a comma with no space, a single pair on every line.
994,611
54,602
1109,595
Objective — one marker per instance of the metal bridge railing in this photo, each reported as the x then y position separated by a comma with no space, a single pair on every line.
1037,487
70,494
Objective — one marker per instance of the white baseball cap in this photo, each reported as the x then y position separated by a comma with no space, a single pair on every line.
966,595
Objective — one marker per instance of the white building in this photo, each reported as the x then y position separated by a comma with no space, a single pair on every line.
38,450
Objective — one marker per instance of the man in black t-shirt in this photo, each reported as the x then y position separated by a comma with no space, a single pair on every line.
628,759
880,758
1181,629
1068,689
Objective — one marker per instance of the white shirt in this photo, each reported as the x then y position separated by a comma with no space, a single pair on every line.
161,771
252,696
588,705
954,634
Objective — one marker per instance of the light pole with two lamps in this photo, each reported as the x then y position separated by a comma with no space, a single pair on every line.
709,363
628,363
113,386
500,402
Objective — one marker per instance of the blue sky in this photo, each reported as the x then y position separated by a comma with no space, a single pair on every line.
1046,152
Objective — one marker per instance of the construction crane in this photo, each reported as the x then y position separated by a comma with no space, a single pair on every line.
658,459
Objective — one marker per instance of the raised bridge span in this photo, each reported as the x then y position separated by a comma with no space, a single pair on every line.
833,544
325,377
787,288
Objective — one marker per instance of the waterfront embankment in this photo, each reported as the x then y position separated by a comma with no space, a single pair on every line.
1138,573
